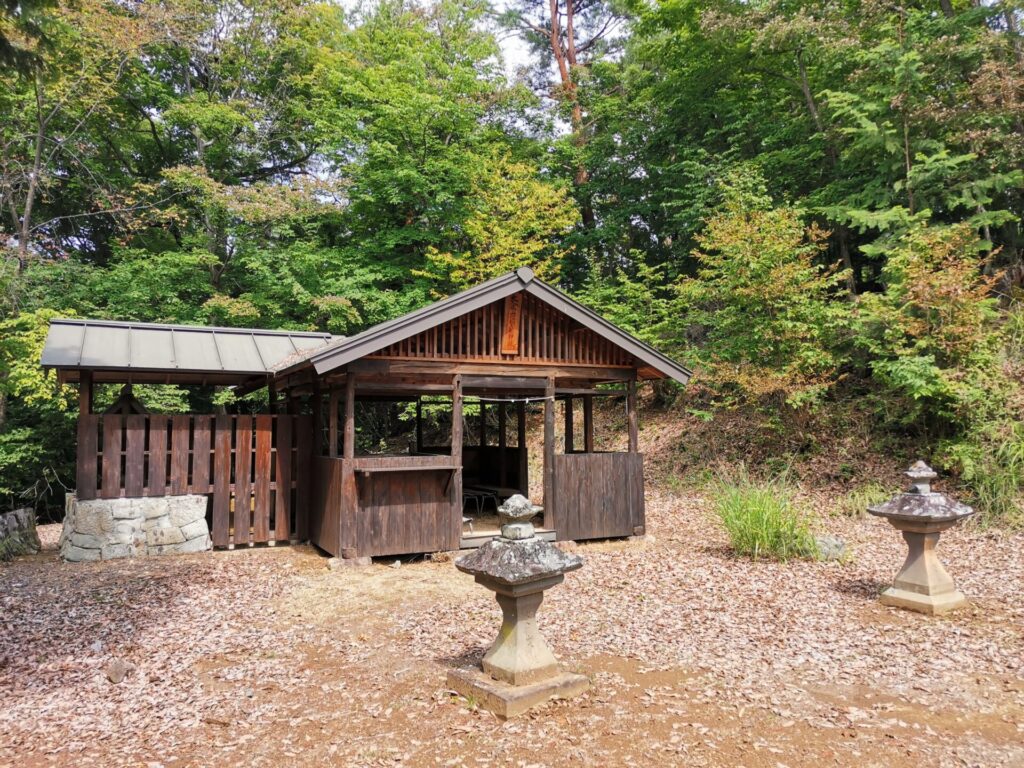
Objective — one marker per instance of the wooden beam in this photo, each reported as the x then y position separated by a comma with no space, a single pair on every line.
332,423
419,425
502,443
483,424
272,397
455,536
317,405
549,454
568,425
349,447
631,415
524,464
588,423
85,393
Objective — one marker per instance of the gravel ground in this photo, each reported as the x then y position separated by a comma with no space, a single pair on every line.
266,657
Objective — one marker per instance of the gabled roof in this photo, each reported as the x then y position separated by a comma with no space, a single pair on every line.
340,352
179,349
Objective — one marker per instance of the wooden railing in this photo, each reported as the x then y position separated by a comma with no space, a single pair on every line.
255,469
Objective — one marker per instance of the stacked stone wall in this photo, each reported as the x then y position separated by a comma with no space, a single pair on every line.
104,529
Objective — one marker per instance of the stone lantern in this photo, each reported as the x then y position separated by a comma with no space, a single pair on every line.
922,514
519,670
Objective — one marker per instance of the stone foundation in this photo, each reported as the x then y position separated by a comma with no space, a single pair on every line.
18,533
103,529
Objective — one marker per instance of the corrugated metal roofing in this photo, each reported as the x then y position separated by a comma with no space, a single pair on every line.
111,345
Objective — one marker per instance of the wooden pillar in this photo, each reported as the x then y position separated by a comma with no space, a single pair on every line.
549,454
456,483
317,406
524,463
332,423
349,447
588,423
419,425
483,425
502,443
272,396
568,425
348,522
85,393
631,416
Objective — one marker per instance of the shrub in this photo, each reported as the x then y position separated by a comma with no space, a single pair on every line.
855,502
762,518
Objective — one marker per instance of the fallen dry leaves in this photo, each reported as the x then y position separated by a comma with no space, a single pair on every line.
266,657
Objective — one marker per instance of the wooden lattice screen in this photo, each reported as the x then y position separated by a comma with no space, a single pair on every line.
263,460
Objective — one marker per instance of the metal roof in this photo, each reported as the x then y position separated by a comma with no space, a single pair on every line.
345,350
150,347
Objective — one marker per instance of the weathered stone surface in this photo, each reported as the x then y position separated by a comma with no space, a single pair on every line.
506,700
195,528
830,548
118,670
75,554
349,562
18,533
519,562
112,528
87,540
160,536
183,510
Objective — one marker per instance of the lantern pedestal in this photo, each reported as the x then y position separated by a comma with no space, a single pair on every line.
519,670
921,515
923,584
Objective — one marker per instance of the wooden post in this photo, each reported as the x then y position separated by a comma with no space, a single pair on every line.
588,423
549,454
632,416
316,404
349,447
483,426
419,425
272,396
568,425
502,443
85,393
524,463
332,423
456,484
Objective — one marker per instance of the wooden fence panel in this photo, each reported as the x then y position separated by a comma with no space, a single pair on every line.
156,483
261,486
134,454
201,455
243,483
260,489
181,426
88,446
112,431
600,495
222,482
283,481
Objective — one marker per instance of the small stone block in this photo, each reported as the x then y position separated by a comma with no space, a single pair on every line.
506,700
157,537
933,605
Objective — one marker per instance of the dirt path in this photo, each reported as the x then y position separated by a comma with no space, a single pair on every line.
266,657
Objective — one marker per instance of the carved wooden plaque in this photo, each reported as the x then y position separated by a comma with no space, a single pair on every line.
510,333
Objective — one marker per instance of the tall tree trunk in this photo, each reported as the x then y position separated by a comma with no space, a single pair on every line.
842,233
33,181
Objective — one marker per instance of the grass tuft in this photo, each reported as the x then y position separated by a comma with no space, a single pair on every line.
855,502
762,518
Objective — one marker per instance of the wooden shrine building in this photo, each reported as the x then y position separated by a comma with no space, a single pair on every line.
463,374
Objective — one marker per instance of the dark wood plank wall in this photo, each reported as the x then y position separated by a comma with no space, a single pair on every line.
600,495
259,489
404,511
326,508
545,336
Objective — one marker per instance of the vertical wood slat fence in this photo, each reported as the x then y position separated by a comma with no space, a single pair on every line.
255,469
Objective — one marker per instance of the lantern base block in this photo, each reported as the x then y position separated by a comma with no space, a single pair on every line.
506,700
933,605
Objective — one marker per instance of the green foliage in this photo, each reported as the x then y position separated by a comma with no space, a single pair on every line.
767,308
762,518
855,502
